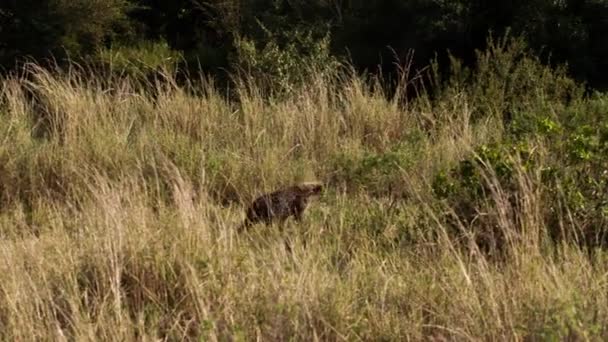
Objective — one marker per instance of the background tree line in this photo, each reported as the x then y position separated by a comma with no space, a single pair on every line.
371,33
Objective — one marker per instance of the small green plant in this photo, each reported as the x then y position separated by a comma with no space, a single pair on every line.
525,125
373,172
466,179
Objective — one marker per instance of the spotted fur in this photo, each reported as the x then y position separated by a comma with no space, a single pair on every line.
281,204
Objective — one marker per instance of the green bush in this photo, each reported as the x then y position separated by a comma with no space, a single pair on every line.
376,173
507,81
285,59
564,159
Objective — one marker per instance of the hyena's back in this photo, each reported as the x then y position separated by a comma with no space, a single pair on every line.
280,204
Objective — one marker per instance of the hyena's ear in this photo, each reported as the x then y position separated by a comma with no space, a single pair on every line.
318,188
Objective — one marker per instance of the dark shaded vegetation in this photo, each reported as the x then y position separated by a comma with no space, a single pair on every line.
372,34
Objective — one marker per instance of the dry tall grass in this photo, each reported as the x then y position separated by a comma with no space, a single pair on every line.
118,215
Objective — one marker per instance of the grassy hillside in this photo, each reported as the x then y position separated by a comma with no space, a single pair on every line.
477,211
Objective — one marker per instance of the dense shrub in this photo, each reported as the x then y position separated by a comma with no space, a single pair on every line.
547,139
507,81
286,60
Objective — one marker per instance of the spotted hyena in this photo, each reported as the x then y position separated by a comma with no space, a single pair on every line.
281,204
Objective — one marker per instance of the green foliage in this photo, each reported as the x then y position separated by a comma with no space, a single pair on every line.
370,33
141,58
87,24
548,325
286,60
468,180
567,153
374,172
529,125
508,82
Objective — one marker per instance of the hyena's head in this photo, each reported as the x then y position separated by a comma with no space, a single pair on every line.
310,188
